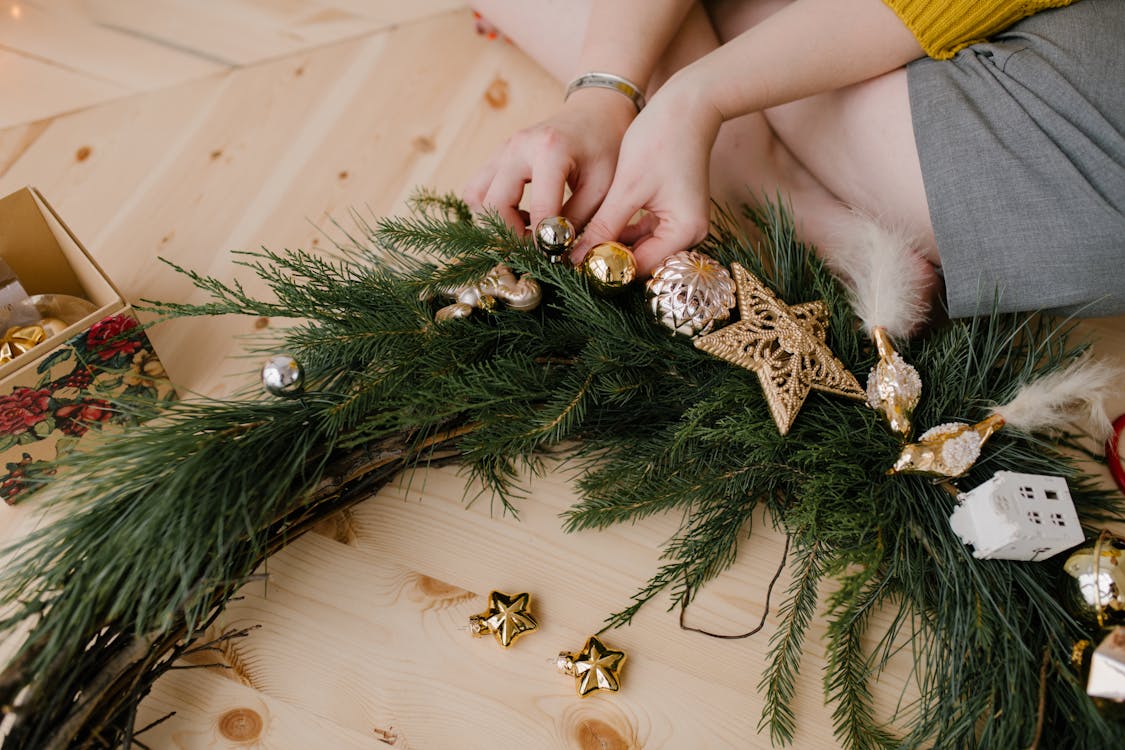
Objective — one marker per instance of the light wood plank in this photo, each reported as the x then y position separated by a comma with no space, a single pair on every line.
242,32
32,90
69,42
215,712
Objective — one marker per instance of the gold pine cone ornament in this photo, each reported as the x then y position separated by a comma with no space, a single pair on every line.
690,293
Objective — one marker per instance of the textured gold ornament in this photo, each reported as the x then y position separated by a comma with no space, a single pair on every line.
595,667
554,236
893,386
1096,594
690,293
507,618
948,450
499,285
610,267
784,345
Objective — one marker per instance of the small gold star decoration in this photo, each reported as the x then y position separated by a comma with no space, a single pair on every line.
507,618
595,667
784,345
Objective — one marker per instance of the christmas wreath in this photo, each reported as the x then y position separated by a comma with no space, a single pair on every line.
157,529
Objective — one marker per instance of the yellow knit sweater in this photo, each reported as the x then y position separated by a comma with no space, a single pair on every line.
944,26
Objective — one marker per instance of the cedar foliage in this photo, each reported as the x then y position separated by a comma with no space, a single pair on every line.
156,531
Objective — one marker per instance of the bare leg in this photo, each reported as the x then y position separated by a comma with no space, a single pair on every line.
856,143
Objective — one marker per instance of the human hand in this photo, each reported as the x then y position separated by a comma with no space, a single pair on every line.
662,170
577,146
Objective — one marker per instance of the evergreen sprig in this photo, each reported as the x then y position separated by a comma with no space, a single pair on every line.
157,529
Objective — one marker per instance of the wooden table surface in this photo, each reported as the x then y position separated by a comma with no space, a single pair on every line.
183,129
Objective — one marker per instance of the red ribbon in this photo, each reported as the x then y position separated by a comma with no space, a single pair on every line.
1113,454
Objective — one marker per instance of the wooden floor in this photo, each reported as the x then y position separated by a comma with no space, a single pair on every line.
182,129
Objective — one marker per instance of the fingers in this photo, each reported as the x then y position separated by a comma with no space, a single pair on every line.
666,239
548,179
605,225
589,192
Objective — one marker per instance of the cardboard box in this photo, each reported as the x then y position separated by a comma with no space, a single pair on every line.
57,392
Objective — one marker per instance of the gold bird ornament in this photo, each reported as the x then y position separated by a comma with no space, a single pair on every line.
1050,403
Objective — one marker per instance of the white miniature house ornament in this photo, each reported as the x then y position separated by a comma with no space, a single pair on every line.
1017,517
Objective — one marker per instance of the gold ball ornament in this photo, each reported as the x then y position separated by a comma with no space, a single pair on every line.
690,293
610,267
554,236
1095,592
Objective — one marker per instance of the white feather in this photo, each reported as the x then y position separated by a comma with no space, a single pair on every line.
887,280
1074,395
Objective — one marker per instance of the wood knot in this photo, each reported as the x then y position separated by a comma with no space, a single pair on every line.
594,734
424,144
241,725
432,588
83,153
497,93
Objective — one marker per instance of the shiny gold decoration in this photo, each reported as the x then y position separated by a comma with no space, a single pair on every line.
18,340
554,237
507,618
1096,594
948,450
690,293
595,667
784,345
893,386
610,267
500,285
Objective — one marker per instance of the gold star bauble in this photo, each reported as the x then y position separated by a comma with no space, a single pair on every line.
784,346
595,667
507,618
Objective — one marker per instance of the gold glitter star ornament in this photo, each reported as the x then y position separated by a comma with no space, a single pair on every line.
507,618
784,345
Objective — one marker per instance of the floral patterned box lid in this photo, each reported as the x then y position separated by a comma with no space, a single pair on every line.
65,387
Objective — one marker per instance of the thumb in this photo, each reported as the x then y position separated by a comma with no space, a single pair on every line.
606,225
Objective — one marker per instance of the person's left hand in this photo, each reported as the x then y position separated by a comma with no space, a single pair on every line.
663,170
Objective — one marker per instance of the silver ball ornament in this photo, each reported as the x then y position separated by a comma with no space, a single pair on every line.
554,236
283,376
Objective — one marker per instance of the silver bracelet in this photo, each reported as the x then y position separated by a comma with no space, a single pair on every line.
608,81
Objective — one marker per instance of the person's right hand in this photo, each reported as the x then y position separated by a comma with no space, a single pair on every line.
578,146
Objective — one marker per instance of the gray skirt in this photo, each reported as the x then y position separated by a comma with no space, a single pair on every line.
1023,160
